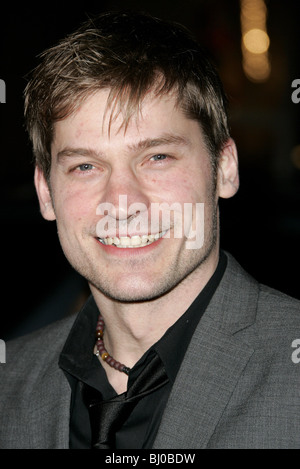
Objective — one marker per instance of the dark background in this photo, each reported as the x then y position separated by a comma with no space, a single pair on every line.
260,226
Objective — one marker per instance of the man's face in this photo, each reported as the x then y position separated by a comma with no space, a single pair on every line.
160,160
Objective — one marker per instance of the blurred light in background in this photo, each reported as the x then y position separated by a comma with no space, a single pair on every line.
255,40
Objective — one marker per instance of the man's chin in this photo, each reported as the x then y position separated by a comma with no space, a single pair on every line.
129,295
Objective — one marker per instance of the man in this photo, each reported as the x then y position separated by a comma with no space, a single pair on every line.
129,129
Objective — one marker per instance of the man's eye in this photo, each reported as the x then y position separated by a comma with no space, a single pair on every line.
159,157
85,167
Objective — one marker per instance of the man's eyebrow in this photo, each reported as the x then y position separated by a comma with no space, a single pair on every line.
166,139
69,151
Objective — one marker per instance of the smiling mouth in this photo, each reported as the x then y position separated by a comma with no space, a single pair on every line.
133,241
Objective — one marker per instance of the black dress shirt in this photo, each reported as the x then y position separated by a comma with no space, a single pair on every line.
82,366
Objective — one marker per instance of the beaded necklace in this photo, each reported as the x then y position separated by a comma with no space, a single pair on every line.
102,352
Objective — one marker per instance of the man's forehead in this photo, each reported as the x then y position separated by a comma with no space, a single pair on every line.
160,113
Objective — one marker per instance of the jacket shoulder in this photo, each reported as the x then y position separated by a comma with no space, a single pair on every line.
34,394
36,343
277,309
31,355
268,306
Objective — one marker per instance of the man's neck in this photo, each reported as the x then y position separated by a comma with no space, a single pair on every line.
132,328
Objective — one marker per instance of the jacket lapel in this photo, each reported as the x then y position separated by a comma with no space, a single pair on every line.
214,361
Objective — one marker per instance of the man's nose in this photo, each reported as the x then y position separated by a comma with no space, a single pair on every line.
126,194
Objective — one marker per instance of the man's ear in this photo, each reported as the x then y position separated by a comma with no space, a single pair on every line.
43,193
228,173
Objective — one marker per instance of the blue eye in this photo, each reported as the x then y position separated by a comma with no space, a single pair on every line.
85,167
159,157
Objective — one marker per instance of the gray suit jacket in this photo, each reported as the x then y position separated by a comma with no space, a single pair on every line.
238,386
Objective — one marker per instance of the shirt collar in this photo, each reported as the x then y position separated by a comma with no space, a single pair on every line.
77,354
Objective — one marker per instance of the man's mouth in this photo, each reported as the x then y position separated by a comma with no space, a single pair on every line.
135,241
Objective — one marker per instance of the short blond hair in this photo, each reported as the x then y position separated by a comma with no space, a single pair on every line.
130,54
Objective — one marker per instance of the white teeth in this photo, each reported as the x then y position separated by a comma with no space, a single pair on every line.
133,242
136,241
125,241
